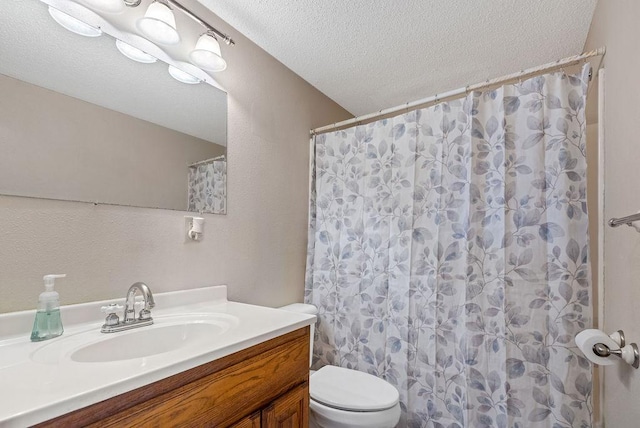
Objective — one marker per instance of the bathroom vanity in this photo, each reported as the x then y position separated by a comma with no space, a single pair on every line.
263,386
235,365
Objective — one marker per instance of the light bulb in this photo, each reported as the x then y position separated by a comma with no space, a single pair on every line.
134,53
183,76
159,24
207,55
74,24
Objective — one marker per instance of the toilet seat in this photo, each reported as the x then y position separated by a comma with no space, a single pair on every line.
328,417
351,390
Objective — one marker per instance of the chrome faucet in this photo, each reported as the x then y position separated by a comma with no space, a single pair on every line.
113,324
129,311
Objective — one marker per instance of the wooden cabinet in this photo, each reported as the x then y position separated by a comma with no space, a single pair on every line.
263,386
289,411
252,421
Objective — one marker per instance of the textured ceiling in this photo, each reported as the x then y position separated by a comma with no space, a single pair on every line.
373,54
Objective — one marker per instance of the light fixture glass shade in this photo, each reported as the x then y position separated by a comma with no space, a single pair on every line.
159,24
207,55
106,6
73,24
183,76
134,53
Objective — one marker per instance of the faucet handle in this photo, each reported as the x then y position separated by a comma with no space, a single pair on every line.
143,314
111,308
111,319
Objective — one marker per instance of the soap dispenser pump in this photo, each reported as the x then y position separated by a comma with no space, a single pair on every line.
48,323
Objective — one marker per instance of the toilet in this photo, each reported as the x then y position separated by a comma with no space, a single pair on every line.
345,398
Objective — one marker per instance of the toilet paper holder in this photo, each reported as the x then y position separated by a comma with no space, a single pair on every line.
626,352
194,227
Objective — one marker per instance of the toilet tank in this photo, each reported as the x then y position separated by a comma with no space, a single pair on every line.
303,308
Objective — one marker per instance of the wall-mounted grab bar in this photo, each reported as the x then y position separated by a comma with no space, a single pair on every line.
615,222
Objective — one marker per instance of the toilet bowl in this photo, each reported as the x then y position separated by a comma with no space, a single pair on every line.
345,398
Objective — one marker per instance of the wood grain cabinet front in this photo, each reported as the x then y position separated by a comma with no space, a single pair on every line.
289,411
253,421
262,386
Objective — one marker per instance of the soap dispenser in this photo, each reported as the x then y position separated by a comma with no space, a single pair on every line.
48,323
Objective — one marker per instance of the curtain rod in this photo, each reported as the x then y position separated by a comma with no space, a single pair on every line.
447,96
192,165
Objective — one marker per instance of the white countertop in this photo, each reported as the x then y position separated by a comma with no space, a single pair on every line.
34,389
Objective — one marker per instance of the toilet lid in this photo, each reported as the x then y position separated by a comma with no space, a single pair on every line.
347,389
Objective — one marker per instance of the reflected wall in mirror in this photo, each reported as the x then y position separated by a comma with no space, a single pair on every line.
79,121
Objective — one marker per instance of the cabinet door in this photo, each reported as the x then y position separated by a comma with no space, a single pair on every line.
288,411
252,421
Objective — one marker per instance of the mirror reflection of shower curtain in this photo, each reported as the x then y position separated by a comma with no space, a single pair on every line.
208,187
448,254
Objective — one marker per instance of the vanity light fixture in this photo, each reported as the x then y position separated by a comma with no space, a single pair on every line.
159,24
106,6
207,55
183,76
134,53
73,24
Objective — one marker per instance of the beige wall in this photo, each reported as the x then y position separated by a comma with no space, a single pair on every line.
258,249
594,218
592,207
60,147
616,25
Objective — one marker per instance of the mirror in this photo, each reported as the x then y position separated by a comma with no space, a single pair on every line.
79,121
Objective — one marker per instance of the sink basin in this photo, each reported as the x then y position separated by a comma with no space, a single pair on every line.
146,342
165,335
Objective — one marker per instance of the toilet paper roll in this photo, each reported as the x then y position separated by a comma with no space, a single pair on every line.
587,338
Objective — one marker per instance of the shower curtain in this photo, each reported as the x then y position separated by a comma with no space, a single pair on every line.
207,186
448,254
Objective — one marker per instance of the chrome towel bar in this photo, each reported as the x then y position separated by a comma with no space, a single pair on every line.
615,222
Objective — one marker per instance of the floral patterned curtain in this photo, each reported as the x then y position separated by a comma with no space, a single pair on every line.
448,254
208,188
